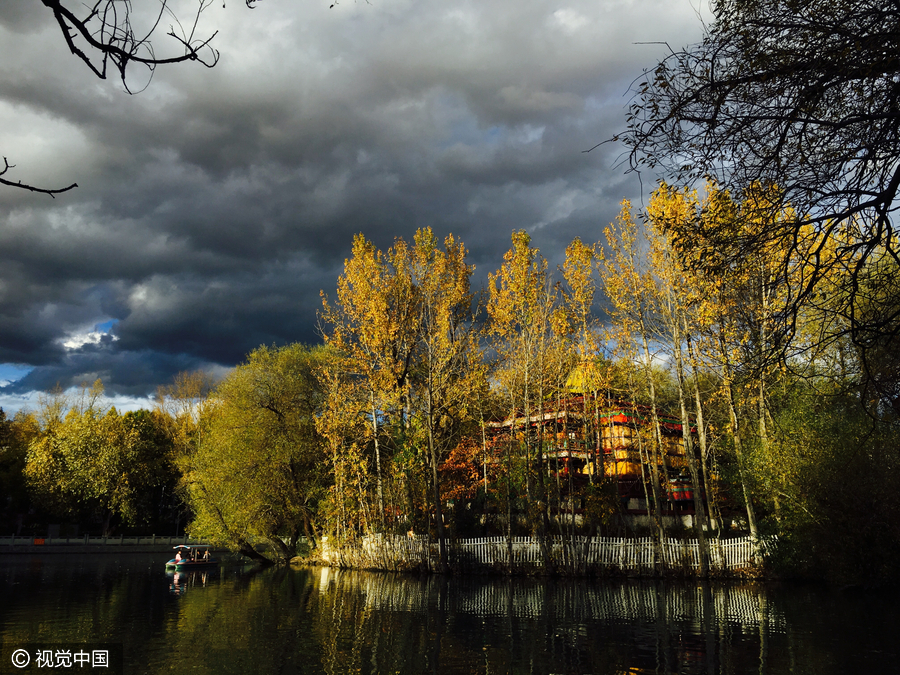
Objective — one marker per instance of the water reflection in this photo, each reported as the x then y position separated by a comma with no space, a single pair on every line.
180,581
570,625
237,619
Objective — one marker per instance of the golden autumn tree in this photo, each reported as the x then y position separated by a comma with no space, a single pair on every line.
679,296
634,314
755,332
405,345
794,378
580,335
523,308
372,323
578,297
341,424
739,309
446,362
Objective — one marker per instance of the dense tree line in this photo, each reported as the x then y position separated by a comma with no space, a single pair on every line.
791,106
81,464
760,310
387,426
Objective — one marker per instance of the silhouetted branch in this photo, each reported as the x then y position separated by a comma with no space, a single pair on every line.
31,188
102,35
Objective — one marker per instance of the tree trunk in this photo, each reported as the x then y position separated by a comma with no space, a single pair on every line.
435,481
699,510
701,430
246,549
377,462
541,501
509,508
284,553
484,503
657,446
736,435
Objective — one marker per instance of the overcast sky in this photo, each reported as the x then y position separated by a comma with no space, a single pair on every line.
213,206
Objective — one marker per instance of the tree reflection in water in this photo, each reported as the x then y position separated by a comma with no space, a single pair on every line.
321,620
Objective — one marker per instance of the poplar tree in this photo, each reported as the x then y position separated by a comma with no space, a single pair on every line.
799,97
372,323
522,306
446,368
678,300
634,311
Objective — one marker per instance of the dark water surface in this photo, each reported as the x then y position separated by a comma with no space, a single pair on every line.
238,619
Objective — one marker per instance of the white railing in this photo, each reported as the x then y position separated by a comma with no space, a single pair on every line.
86,540
566,554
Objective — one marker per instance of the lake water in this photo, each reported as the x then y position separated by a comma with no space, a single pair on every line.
239,619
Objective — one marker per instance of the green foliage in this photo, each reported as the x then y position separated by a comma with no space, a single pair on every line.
258,473
830,476
15,436
91,461
393,425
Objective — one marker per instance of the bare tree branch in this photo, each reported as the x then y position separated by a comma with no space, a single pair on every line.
7,166
102,35
802,96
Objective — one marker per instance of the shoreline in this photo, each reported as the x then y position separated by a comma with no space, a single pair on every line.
81,548
11,545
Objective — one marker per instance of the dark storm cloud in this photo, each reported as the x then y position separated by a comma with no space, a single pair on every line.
215,205
131,371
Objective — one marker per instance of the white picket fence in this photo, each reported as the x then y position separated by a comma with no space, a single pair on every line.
566,554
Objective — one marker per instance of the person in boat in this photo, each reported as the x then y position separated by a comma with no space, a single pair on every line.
177,557
206,554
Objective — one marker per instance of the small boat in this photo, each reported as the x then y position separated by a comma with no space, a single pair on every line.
191,557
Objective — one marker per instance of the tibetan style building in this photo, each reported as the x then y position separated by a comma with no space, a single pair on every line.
585,438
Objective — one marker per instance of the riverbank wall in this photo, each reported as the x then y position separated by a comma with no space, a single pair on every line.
12,545
735,557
